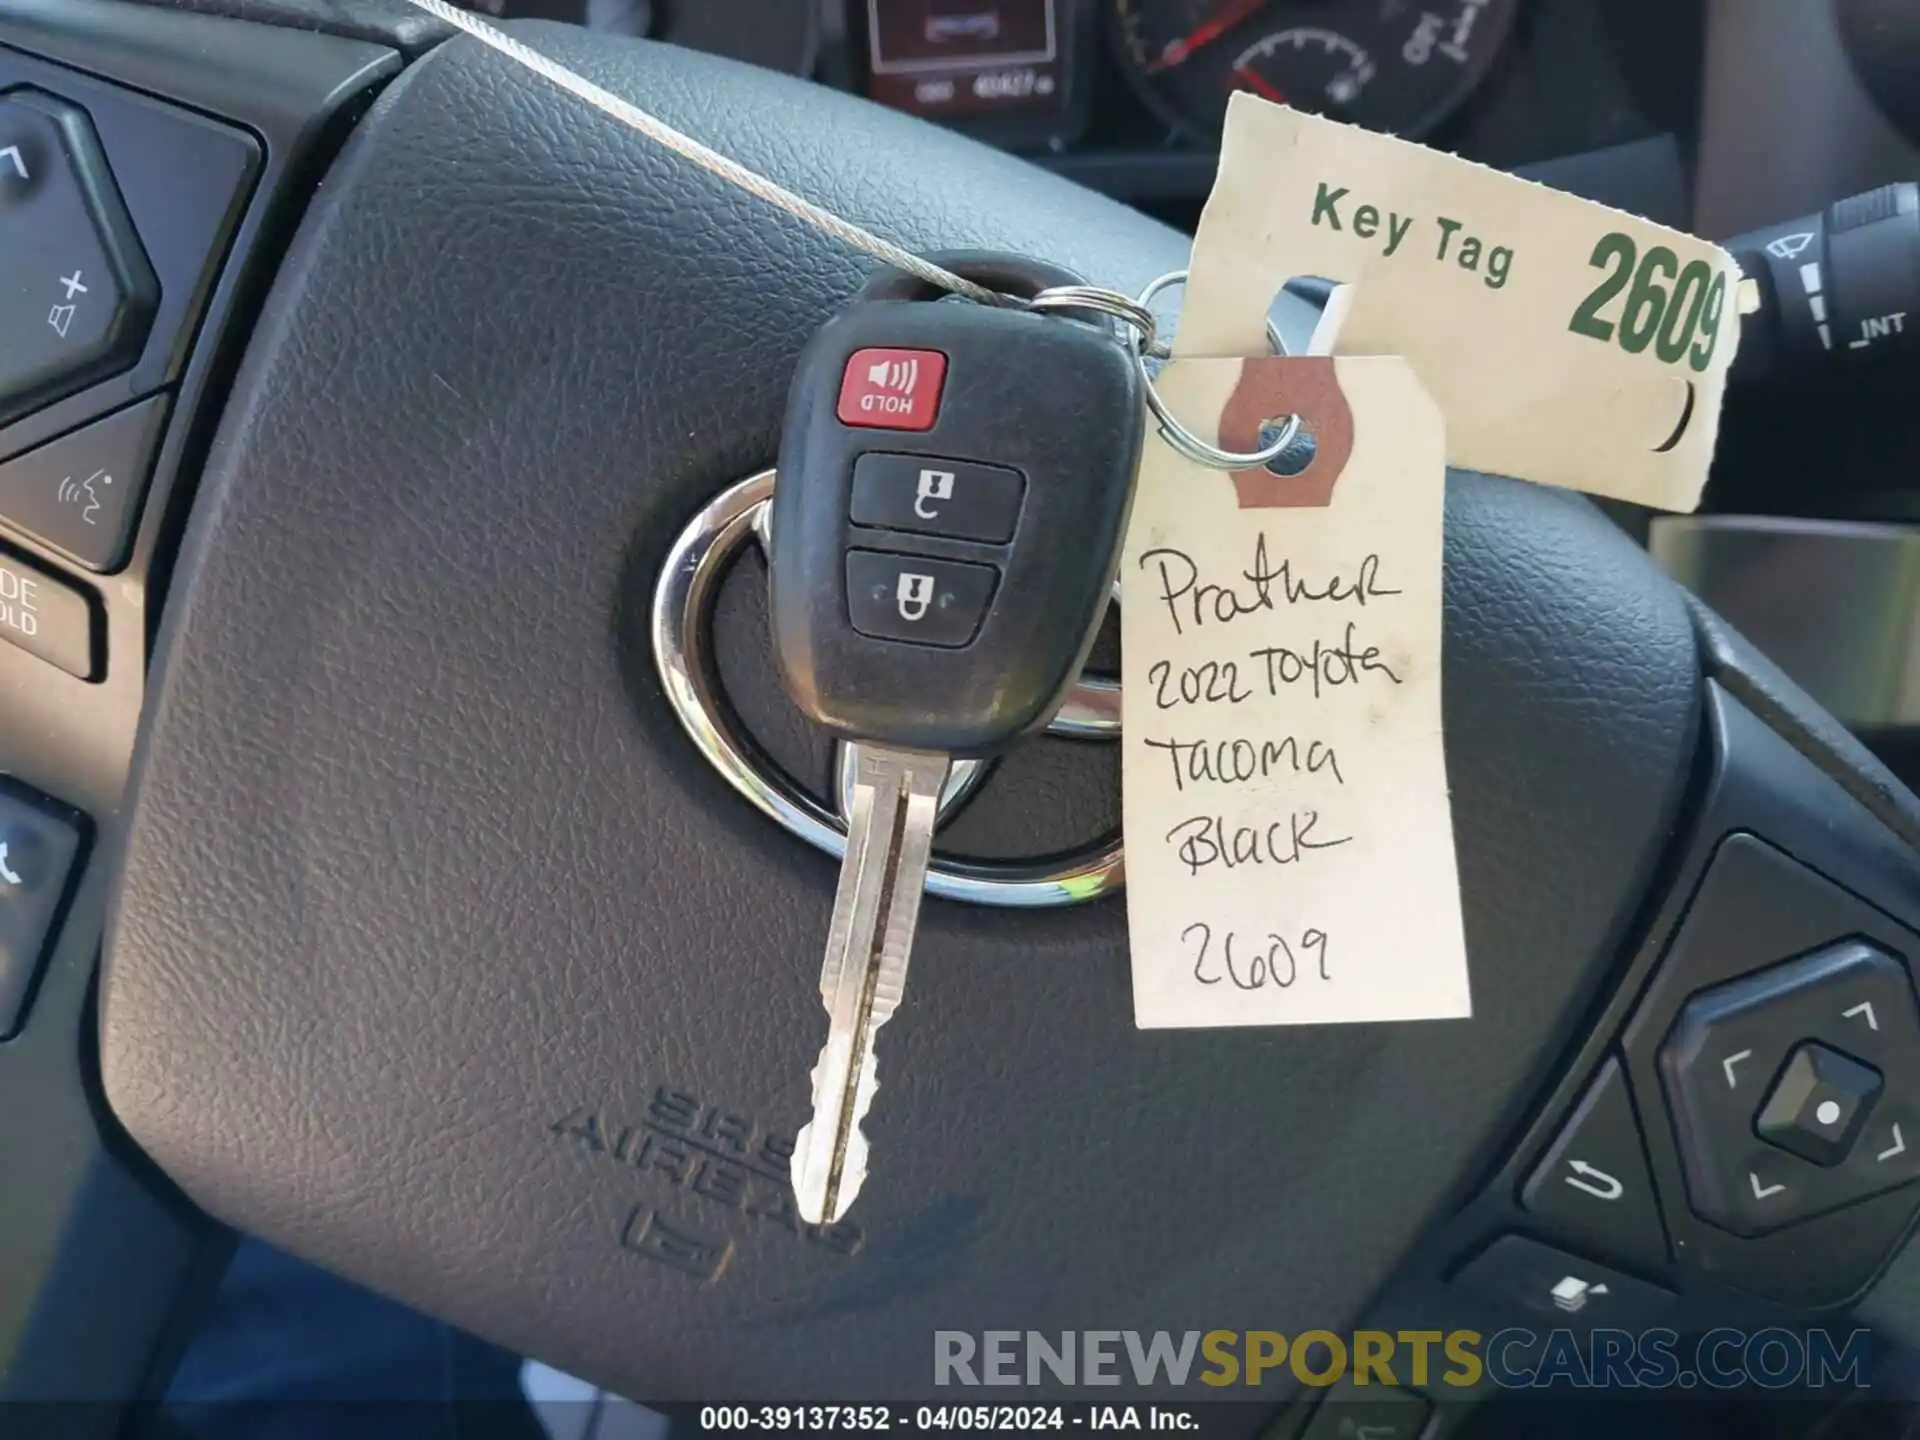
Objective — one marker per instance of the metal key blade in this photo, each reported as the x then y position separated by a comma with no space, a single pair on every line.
890,826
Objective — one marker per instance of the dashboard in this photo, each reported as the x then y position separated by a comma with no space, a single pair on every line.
1129,95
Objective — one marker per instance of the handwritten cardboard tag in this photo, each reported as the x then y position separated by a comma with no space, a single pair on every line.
1289,843
1565,342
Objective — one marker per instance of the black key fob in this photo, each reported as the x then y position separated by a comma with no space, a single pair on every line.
954,482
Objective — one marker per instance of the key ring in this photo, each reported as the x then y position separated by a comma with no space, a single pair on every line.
1137,315
1160,350
1101,301
1175,433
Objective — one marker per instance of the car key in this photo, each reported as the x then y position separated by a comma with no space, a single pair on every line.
954,481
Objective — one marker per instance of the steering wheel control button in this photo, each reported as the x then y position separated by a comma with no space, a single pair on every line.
1819,1105
46,617
1382,1414
23,164
916,599
888,389
1562,1288
81,493
1796,1090
39,843
79,294
932,495
1593,1184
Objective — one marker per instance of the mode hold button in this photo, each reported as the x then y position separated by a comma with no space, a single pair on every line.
46,617
884,389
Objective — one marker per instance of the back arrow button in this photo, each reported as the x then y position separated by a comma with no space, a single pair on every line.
1594,1181
1592,1184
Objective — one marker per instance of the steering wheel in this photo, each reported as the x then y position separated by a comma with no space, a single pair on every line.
431,949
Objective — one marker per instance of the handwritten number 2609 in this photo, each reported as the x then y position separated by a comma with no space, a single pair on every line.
1277,965
1668,319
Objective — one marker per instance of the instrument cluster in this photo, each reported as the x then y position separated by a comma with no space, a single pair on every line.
1389,64
1130,95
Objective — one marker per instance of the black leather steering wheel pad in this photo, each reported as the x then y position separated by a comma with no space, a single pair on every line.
420,873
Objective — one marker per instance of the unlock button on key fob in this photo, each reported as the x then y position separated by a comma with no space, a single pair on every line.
960,499
917,599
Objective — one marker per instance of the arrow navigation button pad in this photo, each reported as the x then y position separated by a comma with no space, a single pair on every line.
1593,1186
1796,1090
79,293
1820,1104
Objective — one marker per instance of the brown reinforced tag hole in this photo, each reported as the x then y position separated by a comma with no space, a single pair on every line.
1277,386
1300,449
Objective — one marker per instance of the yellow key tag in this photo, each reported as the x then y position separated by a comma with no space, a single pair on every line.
1289,842
1566,342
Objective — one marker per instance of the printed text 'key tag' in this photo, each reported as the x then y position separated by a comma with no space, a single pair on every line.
1566,343
1289,843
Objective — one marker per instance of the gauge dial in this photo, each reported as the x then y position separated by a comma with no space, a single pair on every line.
1395,65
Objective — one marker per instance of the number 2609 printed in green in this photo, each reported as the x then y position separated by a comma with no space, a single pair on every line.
1675,310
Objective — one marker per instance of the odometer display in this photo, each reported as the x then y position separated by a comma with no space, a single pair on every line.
951,57
1393,65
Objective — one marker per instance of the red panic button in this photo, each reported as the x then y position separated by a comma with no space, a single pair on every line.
892,389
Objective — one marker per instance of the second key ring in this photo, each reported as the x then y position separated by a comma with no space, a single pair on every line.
1172,429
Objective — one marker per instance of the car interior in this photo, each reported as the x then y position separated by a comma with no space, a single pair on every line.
391,727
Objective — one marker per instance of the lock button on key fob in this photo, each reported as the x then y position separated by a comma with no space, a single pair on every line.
917,599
